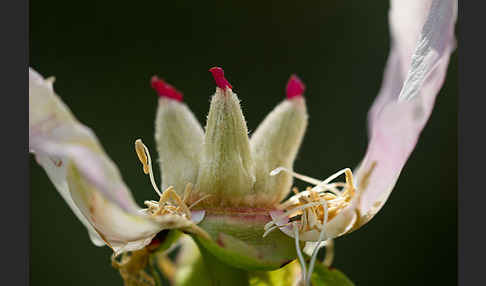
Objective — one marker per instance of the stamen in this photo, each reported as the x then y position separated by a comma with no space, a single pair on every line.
299,252
141,155
144,157
304,220
271,229
218,75
329,253
295,190
171,203
301,177
329,187
332,177
187,192
295,87
304,209
198,201
316,250
170,193
289,212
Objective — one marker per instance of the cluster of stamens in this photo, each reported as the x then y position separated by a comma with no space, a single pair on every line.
170,203
315,206
312,209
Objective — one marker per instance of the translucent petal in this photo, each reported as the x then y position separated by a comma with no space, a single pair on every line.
422,41
57,175
84,175
406,99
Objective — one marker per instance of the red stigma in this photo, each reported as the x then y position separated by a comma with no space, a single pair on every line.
295,87
218,75
164,89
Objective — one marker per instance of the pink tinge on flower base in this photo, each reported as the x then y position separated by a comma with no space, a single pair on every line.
218,75
164,89
295,87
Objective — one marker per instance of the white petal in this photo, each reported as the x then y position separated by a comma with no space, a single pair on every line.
197,216
311,245
405,102
57,175
84,175
436,38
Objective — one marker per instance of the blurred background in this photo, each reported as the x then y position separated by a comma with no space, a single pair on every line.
103,54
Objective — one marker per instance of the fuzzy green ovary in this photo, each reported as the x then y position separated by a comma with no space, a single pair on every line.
179,139
275,144
226,169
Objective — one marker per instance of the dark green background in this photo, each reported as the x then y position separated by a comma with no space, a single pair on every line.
103,54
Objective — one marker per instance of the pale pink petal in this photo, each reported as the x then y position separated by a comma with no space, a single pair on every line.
406,99
84,175
197,216
57,175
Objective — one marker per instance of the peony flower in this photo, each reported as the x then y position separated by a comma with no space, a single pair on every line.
226,188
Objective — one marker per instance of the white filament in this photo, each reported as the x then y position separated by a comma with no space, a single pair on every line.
330,178
270,230
198,201
316,250
299,252
296,175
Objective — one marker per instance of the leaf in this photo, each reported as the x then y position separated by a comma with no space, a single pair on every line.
285,276
290,275
325,276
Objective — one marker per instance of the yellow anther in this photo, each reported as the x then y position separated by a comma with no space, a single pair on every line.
142,156
295,190
317,205
171,203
